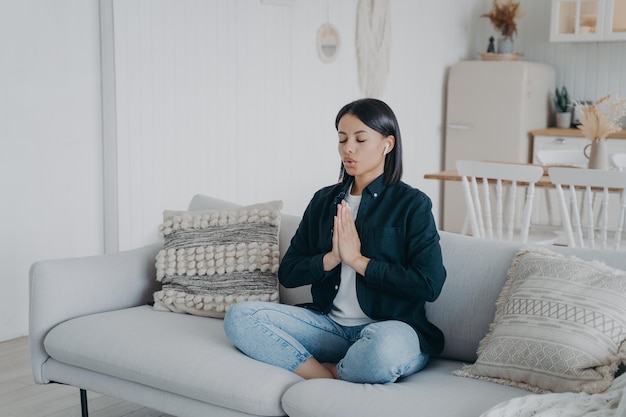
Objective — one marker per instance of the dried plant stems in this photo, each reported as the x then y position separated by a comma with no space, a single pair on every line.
596,124
503,16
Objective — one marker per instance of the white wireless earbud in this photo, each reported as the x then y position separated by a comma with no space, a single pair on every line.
385,151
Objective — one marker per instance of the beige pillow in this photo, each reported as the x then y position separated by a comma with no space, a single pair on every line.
560,326
214,258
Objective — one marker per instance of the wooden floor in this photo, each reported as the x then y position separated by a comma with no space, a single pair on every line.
21,397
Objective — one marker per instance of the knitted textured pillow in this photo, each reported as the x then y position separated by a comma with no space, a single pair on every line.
560,326
214,258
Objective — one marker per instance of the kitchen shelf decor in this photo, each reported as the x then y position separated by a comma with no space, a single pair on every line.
503,16
597,124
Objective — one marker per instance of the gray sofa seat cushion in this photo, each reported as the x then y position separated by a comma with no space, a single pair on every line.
136,344
433,392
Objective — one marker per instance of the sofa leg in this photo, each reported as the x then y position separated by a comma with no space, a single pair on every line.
83,403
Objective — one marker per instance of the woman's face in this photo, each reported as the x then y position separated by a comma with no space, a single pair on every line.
362,149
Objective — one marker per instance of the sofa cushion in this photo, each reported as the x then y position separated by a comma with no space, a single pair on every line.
560,325
214,258
184,354
431,392
288,226
476,271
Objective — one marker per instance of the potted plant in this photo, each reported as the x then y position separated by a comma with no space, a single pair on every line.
562,106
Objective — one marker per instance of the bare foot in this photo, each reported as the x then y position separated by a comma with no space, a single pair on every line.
311,368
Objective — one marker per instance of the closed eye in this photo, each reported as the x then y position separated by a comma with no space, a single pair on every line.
358,140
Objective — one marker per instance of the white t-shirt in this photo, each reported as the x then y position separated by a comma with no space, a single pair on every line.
346,309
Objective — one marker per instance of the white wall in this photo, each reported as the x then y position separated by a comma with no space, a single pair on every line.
50,154
230,99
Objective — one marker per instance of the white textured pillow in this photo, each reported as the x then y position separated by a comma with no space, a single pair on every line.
560,326
214,258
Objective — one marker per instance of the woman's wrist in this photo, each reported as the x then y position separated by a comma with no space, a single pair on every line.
360,264
330,261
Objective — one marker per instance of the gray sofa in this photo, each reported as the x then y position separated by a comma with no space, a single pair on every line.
91,327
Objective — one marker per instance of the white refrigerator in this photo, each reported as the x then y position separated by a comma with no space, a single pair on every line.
491,108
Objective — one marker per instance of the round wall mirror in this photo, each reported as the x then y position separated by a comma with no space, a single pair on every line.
327,42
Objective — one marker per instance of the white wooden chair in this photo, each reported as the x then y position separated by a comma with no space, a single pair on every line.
497,215
586,223
557,157
619,160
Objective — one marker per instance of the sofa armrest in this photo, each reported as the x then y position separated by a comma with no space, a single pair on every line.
64,289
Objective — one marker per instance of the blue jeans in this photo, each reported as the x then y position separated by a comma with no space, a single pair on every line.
286,336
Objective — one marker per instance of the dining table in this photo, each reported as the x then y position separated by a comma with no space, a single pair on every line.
545,217
453,175
544,181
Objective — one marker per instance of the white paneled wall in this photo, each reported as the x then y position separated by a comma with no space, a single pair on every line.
221,97
229,98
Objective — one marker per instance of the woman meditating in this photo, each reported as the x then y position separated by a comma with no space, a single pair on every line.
369,247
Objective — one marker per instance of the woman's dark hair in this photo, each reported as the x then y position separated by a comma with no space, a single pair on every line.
377,115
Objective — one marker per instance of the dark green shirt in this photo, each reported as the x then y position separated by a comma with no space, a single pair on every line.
399,236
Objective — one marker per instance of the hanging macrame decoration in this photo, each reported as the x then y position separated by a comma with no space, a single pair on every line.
373,45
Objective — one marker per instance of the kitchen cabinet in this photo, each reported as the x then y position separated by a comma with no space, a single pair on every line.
588,20
555,138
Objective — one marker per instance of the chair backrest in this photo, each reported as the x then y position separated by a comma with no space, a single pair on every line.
586,222
499,223
619,160
574,157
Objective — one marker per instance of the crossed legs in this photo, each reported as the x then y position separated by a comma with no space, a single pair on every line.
312,345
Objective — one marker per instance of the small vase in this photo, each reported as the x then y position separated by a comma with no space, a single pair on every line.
598,154
505,44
